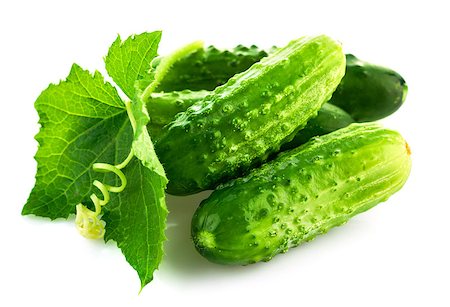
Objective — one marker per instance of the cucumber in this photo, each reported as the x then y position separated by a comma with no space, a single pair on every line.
238,125
328,119
165,106
369,92
301,194
205,69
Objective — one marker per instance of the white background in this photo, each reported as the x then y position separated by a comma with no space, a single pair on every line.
395,254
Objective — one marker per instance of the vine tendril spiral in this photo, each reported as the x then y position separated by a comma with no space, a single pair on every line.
89,222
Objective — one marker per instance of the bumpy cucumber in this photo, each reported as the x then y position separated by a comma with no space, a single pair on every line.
301,194
207,68
242,122
165,106
369,92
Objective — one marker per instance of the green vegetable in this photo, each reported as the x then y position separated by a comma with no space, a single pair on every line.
88,133
369,92
96,158
165,106
329,118
301,194
205,69
230,131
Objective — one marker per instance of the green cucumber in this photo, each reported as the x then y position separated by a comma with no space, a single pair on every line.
301,194
329,118
369,92
238,125
165,106
207,68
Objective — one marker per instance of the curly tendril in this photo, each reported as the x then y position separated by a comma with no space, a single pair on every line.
89,222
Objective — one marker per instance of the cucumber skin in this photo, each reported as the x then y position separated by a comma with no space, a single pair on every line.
369,92
208,68
165,106
237,126
329,118
301,194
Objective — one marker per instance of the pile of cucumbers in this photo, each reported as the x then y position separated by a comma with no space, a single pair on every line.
286,139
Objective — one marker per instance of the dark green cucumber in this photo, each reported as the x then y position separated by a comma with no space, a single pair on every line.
238,125
205,69
301,194
165,106
329,118
369,92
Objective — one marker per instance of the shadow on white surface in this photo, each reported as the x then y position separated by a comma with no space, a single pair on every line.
182,261
180,254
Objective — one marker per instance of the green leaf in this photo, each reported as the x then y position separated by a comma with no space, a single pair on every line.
129,61
83,120
136,217
142,145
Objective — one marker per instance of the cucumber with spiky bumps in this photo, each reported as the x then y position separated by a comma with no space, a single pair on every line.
301,194
244,121
207,68
165,106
